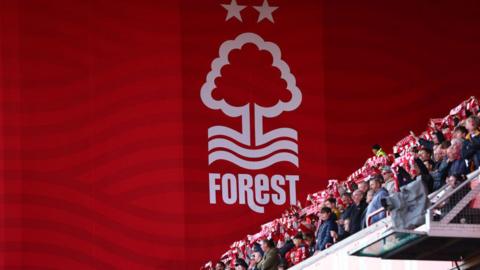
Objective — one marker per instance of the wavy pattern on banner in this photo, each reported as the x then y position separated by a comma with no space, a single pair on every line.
275,150
92,179
252,153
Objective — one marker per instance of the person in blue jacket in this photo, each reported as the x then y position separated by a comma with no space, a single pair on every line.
375,204
324,233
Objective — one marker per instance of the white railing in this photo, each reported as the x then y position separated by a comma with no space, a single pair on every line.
447,192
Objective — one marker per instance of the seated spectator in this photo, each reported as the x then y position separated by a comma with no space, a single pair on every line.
389,181
456,163
271,258
324,237
356,215
375,204
332,204
299,252
220,266
240,264
378,151
471,145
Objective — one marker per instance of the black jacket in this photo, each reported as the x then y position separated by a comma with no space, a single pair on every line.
356,217
471,150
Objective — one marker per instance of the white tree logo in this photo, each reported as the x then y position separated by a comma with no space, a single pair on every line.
285,139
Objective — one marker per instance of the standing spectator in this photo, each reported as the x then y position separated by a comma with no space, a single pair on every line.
347,201
363,187
310,241
220,266
369,197
425,155
257,254
378,151
332,204
240,264
283,250
423,173
471,145
345,215
440,170
457,164
460,132
453,181
390,185
356,216
271,258
437,139
324,237
375,204
299,252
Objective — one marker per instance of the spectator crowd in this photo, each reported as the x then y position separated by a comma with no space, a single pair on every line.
442,155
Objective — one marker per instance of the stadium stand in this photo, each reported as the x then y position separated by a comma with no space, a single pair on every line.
426,190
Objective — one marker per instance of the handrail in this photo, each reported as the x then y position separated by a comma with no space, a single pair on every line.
436,192
470,178
374,213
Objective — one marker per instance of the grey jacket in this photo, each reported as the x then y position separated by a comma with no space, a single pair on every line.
409,205
270,260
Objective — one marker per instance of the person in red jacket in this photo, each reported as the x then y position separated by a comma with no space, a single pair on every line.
299,252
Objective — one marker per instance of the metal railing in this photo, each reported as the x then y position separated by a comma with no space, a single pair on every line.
368,219
451,204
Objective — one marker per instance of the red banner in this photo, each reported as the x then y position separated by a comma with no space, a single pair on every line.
254,90
153,134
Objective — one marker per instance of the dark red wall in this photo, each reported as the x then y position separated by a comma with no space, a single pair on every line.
103,139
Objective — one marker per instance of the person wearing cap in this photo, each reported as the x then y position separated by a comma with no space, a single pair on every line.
271,257
378,151
257,255
299,252
389,181
257,249
240,264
